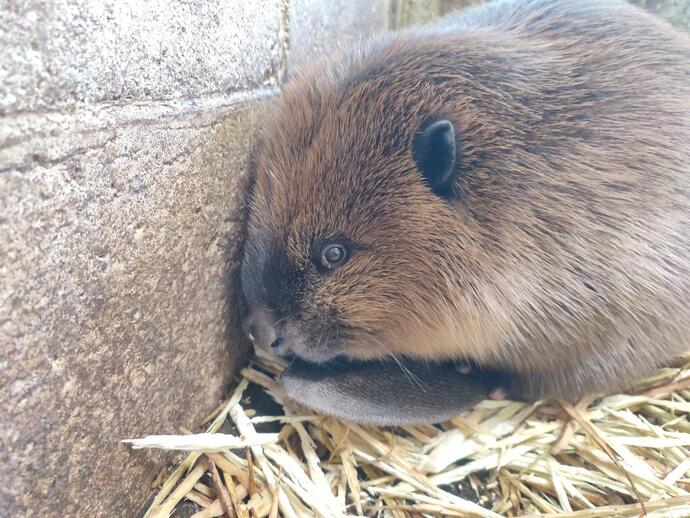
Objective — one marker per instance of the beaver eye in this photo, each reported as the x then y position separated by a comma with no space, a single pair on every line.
333,255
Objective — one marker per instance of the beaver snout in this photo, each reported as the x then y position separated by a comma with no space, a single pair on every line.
271,333
262,329
285,337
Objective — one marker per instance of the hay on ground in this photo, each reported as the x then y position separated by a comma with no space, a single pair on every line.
619,455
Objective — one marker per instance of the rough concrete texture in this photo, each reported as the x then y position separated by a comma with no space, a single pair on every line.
415,12
119,230
56,53
318,28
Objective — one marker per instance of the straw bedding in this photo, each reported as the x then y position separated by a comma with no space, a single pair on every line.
619,455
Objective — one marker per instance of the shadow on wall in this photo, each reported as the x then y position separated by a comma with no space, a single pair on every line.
235,307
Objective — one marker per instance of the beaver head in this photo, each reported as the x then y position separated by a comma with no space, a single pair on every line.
355,241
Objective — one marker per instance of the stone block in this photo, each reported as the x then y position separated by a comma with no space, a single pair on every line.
417,12
119,233
318,28
58,53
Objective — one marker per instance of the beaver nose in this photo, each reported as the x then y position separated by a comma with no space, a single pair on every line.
275,344
261,330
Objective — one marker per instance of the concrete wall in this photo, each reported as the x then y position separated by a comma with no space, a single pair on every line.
124,130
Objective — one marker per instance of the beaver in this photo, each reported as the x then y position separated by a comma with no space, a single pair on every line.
509,186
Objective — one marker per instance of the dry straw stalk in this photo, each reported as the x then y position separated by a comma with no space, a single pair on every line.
619,455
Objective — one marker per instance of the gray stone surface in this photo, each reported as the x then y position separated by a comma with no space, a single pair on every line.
57,53
119,228
416,12
317,28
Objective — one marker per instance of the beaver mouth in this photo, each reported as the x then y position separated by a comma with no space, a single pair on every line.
323,353
387,392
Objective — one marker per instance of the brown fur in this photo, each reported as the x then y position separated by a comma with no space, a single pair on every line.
563,255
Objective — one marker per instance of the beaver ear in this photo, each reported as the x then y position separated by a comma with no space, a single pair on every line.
433,151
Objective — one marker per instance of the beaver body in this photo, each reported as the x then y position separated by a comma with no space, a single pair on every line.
509,186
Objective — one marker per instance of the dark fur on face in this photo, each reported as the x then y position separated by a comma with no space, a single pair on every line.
557,243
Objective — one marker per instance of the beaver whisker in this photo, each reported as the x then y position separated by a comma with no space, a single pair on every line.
407,372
